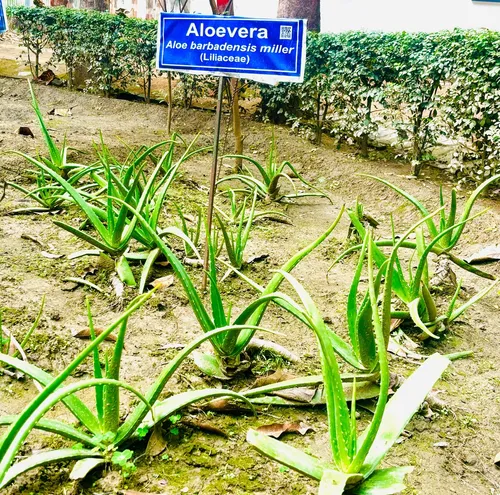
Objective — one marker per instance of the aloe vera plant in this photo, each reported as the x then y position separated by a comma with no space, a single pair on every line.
228,347
191,228
50,195
355,458
268,185
103,433
234,215
453,225
413,288
236,239
57,159
11,346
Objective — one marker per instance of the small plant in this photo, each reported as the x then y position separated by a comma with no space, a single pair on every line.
234,215
103,434
268,186
190,228
413,288
449,222
10,345
57,159
236,239
355,458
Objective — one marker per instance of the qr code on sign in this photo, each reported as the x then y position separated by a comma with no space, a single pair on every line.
286,32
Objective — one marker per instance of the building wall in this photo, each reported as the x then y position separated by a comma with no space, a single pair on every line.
406,15
384,15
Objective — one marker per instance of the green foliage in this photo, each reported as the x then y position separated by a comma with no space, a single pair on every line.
471,105
103,432
422,84
266,184
412,286
356,457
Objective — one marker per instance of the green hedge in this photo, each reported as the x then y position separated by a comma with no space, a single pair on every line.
112,48
423,85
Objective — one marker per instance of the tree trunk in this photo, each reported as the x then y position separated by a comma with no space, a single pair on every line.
301,9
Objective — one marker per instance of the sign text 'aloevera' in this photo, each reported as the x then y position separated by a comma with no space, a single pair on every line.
267,50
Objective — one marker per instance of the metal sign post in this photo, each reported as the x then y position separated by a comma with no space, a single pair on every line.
265,50
213,179
3,18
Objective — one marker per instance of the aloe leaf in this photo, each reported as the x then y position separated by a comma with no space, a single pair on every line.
455,314
454,300
381,326
34,326
163,409
332,482
55,154
83,467
384,482
124,272
99,401
277,278
73,403
135,418
57,427
146,270
257,164
420,207
364,390
401,408
103,246
304,181
352,300
209,365
468,207
413,307
309,381
338,413
288,455
44,458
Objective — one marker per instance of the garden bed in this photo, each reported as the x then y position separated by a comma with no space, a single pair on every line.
453,453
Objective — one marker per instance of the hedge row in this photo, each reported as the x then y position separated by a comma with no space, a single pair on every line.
111,49
425,86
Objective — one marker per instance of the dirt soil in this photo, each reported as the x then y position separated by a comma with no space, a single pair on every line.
452,454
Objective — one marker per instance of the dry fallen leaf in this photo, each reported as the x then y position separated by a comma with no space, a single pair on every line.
395,323
278,376
299,394
163,282
26,131
85,334
489,254
156,443
497,460
225,406
277,429
204,426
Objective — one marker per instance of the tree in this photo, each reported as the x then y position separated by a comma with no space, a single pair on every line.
301,9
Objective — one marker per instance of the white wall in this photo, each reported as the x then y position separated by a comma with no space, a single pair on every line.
408,15
384,15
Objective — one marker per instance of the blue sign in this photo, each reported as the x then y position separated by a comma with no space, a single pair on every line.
3,18
266,50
